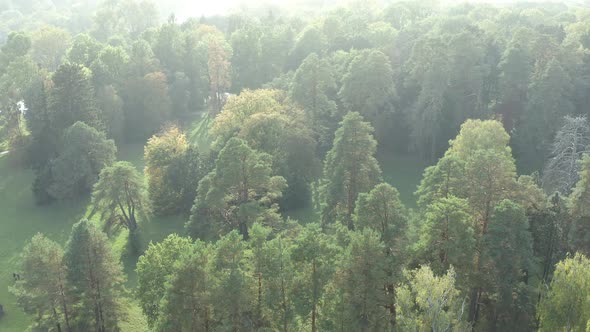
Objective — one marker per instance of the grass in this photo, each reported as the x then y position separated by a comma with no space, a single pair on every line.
21,218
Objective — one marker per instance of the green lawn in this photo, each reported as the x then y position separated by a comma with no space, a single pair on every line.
21,218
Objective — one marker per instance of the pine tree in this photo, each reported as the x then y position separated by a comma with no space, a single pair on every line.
350,168
238,192
43,289
187,304
95,279
314,258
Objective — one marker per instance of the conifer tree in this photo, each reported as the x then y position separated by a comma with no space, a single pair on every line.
350,168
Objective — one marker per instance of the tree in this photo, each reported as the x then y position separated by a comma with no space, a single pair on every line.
147,105
72,99
86,151
43,292
350,168
578,206
174,169
219,72
310,40
49,46
507,260
95,278
548,101
513,81
447,237
235,286
566,306
360,281
477,167
118,195
359,93
381,211
269,123
570,143
238,192
274,274
312,85
188,300
84,50
154,268
428,302
314,258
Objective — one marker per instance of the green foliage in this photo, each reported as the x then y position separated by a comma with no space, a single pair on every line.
427,302
507,261
43,290
174,169
95,278
119,195
350,168
238,192
155,267
566,305
368,70
86,151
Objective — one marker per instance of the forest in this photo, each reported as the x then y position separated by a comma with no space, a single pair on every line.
357,165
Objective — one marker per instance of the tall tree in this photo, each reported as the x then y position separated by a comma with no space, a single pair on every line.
234,288
570,143
154,268
72,99
360,281
174,169
119,195
95,278
507,260
43,292
312,87
359,93
238,192
578,206
350,168
187,304
566,306
314,259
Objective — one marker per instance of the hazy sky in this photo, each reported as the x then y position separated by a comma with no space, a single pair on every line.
213,7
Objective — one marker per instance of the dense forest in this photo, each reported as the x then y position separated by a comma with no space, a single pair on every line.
264,130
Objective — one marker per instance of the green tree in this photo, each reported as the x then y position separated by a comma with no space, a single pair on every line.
119,195
360,280
447,236
578,206
188,301
350,168
43,292
314,257
86,151
507,260
50,44
95,278
427,302
147,105
174,169
72,99
312,85
566,306
368,88
238,192
274,273
234,291
154,268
